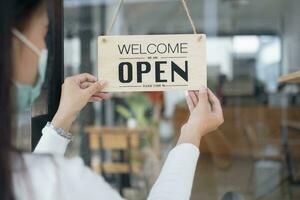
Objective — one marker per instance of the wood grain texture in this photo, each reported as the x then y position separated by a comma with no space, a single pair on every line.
290,78
266,122
146,49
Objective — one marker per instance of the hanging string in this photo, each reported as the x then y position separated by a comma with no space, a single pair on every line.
121,2
188,14
114,19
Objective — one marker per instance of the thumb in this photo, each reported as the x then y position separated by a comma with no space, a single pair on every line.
96,87
203,98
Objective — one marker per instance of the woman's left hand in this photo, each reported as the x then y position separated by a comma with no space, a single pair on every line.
77,91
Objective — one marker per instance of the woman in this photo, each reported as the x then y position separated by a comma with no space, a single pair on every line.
39,176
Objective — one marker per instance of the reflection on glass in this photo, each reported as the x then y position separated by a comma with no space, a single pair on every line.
247,50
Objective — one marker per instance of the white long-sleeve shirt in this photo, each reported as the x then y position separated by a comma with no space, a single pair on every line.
53,177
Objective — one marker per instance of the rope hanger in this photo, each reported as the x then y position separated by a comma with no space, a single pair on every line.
121,2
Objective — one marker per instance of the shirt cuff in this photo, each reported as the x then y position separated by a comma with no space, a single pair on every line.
51,142
187,147
186,156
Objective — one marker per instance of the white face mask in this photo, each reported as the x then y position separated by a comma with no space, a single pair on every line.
26,94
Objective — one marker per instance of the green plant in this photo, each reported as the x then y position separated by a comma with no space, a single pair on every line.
138,105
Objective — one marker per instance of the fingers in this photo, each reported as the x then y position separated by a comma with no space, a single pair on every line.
85,85
197,94
216,105
203,98
88,84
102,95
193,97
98,95
214,101
189,102
85,77
96,87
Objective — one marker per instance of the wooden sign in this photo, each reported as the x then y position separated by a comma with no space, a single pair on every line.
152,62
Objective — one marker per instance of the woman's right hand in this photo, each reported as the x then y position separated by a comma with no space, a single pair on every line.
205,116
77,91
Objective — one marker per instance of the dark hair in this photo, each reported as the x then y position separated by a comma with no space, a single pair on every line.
12,13
23,10
5,118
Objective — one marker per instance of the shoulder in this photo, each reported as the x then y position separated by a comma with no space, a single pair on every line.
49,164
56,175
42,173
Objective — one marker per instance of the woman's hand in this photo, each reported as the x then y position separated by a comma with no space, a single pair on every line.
77,91
205,116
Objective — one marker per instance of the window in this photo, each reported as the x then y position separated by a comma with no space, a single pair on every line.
250,44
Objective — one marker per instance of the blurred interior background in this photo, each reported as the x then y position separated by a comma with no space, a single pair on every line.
250,44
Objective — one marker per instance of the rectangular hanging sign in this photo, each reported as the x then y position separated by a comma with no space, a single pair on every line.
152,62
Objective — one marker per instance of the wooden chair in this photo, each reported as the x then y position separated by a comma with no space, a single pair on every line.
259,152
122,140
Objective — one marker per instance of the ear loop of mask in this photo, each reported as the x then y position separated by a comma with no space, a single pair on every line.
29,44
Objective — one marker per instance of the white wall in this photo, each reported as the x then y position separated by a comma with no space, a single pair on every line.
291,37
219,53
